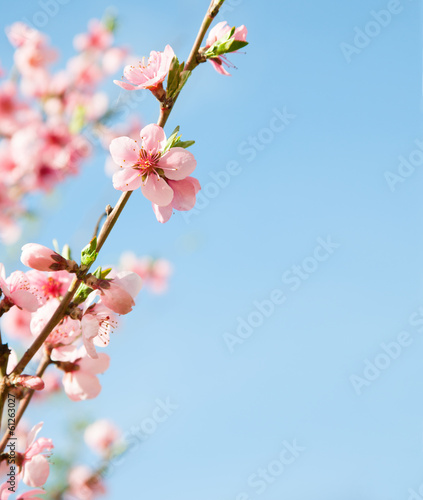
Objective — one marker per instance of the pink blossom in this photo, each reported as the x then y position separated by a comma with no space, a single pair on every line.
50,285
13,113
80,381
216,33
42,258
148,76
118,293
148,167
84,483
20,33
16,324
34,56
155,273
98,38
184,198
101,436
97,323
18,291
35,467
65,332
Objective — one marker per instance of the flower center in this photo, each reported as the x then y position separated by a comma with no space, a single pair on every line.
147,162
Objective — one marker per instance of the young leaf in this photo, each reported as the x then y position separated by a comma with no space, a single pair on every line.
89,253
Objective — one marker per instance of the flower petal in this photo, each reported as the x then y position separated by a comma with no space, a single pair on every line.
127,179
152,138
177,163
163,214
157,190
184,193
124,151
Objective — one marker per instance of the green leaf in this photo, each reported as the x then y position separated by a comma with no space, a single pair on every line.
78,120
183,79
229,46
89,253
82,293
173,77
184,144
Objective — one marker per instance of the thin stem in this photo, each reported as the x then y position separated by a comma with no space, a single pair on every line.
25,400
208,18
97,226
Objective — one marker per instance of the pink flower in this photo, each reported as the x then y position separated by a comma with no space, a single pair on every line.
155,273
216,33
42,258
118,293
35,467
80,381
98,37
148,167
50,285
97,323
101,436
148,76
184,198
20,33
16,324
18,291
65,332
84,483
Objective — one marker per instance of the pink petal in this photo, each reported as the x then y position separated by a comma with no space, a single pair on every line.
219,67
124,85
117,299
152,138
130,281
36,471
25,300
185,191
134,75
163,214
124,151
177,163
95,366
241,33
127,179
81,385
157,190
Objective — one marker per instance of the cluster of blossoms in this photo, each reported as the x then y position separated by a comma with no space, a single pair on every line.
41,147
28,302
47,118
162,168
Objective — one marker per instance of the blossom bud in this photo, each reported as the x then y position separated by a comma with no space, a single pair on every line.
43,259
30,381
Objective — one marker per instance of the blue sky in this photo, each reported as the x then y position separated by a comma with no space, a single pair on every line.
322,176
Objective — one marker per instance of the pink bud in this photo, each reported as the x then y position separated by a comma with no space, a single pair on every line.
42,258
30,381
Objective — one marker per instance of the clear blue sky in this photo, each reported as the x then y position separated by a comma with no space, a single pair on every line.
351,112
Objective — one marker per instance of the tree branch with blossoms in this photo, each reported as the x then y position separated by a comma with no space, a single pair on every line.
69,304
